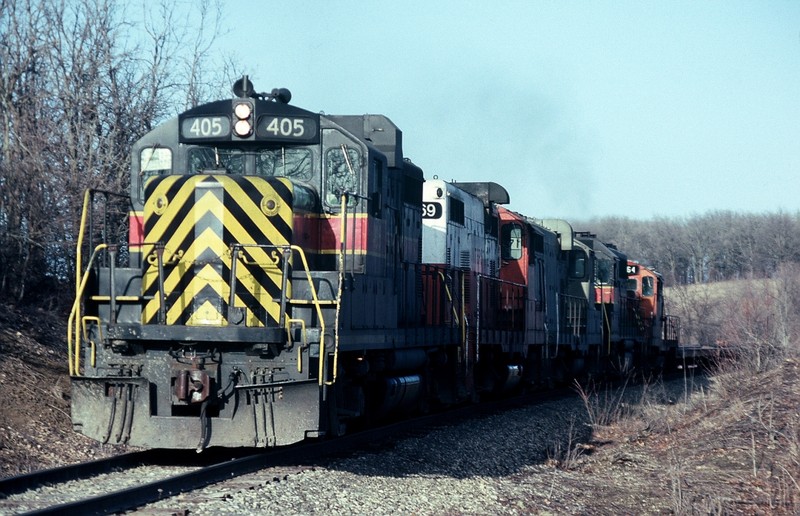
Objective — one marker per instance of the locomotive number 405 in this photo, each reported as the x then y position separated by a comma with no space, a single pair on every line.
206,127
285,127
282,127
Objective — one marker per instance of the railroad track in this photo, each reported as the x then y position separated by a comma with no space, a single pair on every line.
56,491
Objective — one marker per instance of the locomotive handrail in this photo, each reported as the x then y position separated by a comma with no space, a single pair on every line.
607,325
342,262
572,318
302,323
317,307
501,280
92,344
74,315
81,279
314,297
88,196
450,297
493,279
79,248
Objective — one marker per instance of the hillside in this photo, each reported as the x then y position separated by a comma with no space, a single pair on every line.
35,427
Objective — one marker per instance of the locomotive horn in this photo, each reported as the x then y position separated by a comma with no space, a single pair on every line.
243,87
282,95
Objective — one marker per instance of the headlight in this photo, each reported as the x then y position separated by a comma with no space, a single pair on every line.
242,111
242,128
243,118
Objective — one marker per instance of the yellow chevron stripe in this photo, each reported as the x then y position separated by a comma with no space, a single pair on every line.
207,202
183,195
266,190
209,239
210,202
206,315
206,276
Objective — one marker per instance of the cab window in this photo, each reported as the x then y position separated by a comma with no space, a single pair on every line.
204,159
153,162
511,247
648,286
603,273
456,211
577,264
342,167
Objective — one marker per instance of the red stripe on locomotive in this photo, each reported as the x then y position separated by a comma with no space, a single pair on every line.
604,294
135,229
322,234
314,233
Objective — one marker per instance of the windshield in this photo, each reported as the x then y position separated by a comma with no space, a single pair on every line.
291,162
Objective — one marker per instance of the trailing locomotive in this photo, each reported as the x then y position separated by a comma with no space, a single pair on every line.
287,274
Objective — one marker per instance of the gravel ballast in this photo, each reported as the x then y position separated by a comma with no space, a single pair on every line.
502,464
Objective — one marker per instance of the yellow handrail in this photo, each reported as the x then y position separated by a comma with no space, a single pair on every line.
74,315
78,263
79,252
317,306
450,297
302,323
75,320
92,343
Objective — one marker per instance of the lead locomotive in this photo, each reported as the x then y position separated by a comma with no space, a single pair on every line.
286,274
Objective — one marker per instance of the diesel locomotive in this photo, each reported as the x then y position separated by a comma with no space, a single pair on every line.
287,274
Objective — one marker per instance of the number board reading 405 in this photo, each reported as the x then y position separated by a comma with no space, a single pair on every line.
202,127
292,128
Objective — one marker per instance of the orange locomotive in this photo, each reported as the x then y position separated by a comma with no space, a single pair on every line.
646,287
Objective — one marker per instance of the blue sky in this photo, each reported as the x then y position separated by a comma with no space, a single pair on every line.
581,109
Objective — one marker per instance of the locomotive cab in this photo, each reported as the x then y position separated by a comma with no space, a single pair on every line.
646,287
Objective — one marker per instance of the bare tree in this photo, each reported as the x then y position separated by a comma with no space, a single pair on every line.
79,83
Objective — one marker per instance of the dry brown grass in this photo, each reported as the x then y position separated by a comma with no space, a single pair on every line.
732,446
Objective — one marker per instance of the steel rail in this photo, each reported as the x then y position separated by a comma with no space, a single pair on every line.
28,481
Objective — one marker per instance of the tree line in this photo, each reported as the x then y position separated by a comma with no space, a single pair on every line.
717,246
80,81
